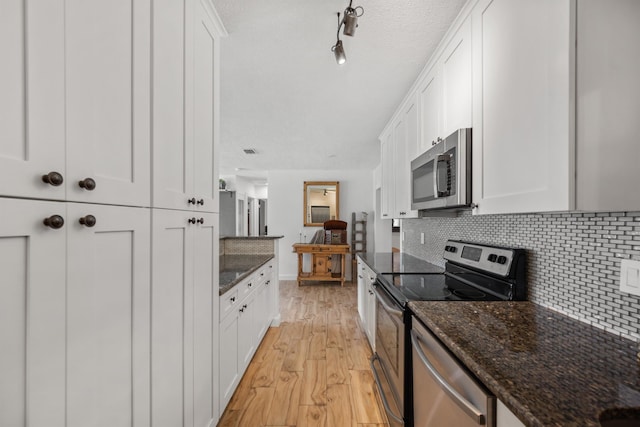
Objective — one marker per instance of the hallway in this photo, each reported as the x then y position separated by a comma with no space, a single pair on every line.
313,370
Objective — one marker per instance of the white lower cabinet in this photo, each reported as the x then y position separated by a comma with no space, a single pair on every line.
74,314
184,309
108,313
367,301
247,312
32,314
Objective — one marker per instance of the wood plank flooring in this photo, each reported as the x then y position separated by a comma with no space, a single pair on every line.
312,370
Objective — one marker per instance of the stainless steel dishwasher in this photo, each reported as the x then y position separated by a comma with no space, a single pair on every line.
444,394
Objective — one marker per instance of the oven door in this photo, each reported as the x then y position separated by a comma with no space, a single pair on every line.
388,362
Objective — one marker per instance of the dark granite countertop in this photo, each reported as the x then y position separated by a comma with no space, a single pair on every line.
547,368
398,262
234,268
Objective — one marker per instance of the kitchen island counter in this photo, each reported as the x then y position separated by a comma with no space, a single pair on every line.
234,268
547,368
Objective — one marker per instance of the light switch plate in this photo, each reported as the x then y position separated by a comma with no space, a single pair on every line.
630,276
422,238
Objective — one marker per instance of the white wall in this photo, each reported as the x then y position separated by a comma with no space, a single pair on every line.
286,188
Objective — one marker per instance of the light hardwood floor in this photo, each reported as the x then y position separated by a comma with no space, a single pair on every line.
313,370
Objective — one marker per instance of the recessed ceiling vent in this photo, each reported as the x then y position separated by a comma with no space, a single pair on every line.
249,150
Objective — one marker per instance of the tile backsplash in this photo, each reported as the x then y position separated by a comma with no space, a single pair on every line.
573,258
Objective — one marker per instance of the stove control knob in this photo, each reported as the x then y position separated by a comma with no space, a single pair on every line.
493,257
502,259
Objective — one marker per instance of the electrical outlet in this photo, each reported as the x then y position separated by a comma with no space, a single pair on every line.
422,238
630,276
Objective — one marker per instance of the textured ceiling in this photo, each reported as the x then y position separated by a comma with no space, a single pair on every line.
284,95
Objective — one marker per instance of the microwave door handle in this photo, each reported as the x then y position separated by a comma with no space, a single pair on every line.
463,403
442,188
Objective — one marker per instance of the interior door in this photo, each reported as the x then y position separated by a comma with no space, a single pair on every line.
32,314
32,133
108,312
107,82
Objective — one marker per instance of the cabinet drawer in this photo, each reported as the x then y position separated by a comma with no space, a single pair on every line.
228,301
248,285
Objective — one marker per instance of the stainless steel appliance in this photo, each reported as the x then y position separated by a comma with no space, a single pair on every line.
473,272
441,177
444,394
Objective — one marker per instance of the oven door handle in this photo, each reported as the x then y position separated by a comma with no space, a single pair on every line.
385,304
463,403
382,395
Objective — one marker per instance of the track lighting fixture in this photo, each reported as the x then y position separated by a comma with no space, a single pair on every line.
350,22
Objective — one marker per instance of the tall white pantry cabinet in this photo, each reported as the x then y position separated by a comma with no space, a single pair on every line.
109,287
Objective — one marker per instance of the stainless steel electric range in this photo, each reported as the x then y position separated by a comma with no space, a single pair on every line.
473,272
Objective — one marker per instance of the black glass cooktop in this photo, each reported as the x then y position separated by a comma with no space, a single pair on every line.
435,287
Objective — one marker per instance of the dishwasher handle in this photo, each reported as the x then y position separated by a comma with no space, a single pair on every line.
463,403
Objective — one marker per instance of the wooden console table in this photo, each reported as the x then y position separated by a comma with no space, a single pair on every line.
321,262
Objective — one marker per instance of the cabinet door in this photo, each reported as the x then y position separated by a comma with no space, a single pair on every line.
108,311
608,98
371,315
32,134
246,338
404,149
32,314
107,53
386,160
172,170
261,313
205,111
429,96
205,313
456,81
171,318
229,357
522,115
362,291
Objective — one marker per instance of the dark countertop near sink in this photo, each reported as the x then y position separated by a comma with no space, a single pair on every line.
398,262
234,268
547,368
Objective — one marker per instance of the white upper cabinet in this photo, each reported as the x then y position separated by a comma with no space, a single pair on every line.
457,78
76,101
608,105
32,116
430,98
107,83
388,185
405,133
184,109
522,135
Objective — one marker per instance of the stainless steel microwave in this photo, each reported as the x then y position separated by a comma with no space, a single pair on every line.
441,176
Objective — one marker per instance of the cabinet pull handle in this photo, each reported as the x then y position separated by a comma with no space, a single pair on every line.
54,221
250,284
192,220
200,221
244,305
191,201
88,184
88,221
232,299
201,202
241,309
53,178
267,282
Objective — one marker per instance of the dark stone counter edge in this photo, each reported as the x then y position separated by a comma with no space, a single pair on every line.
240,278
251,237
520,409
